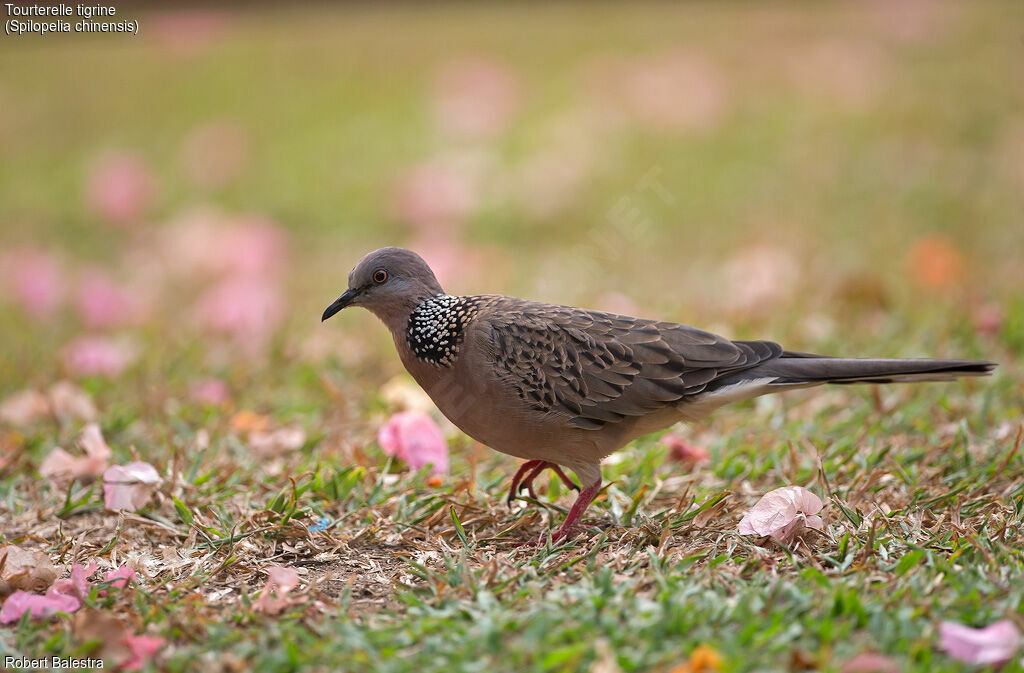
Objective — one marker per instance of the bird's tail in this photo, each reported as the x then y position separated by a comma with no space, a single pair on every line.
798,369
802,370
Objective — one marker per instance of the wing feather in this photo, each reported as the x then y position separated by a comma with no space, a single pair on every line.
597,368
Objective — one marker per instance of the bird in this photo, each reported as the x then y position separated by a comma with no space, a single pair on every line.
563,387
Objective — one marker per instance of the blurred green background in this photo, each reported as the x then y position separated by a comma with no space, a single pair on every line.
848,177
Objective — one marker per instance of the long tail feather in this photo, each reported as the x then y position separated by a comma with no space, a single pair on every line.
796,369
802,370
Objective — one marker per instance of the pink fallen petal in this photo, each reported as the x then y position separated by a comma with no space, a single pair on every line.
414,437
129,487
682,451
101,302
120,577
120,188
97,356
34,281
192,240
208,242
993,644
78,584
252,245
273,598
80,578
143,648
783,514
24,408
869,662
213,392
92,443
61,467
69,402
248,308
37,605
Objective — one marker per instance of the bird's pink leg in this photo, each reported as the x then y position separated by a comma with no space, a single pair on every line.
583,501
528,479
532,469
513,490
565,480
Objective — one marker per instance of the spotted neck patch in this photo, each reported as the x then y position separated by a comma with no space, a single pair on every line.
436,327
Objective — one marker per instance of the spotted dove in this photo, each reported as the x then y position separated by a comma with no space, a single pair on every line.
566,387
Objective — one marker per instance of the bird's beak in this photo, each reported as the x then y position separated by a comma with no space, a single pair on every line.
341,302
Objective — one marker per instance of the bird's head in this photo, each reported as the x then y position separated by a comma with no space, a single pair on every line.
390,282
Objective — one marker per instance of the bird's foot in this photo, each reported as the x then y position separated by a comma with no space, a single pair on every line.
518,482
572,519
529,471
572,485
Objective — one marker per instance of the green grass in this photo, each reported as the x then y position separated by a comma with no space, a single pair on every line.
843,139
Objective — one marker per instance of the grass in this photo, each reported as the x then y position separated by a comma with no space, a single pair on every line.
845,139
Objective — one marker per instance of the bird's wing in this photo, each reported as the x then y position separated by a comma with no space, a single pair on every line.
597,368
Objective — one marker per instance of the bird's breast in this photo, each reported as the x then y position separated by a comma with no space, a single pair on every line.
472,395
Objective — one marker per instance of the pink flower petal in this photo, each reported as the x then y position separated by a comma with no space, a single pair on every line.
252,245
34,280
120,577
273,598
80,578
682,451
78,584
92,443
993,644
97,356
414,437
143,648
69,402
37,605
389,439
101,302
61,467
24,408
783,514
246,308
212,243
120,188
213,392
129,487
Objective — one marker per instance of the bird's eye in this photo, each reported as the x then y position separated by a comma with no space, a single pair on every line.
379,276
